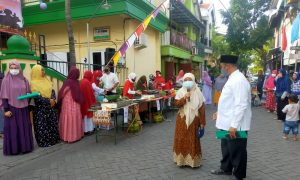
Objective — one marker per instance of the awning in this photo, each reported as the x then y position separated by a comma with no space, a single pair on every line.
275,51
181,15
11,31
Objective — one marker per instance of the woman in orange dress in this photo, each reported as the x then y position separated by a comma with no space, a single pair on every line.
70,98
219,84
191,117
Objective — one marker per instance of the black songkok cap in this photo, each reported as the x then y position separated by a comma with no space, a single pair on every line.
231,59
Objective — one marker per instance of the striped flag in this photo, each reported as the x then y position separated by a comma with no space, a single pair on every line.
137,33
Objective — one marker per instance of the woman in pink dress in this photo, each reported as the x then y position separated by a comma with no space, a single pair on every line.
270,97
70,100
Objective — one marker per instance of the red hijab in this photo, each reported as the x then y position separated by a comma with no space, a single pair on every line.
96,76
270,83
73,83
159,80
88,93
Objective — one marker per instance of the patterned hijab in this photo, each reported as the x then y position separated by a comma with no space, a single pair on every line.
39,83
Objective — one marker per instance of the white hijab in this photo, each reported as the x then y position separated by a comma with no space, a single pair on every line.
190,109
131,76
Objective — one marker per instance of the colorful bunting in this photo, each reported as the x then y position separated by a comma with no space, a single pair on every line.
137,33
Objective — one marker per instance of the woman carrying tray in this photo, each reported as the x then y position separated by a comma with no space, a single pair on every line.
45,116
17,126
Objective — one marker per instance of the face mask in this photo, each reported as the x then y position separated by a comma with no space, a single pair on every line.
273,75
133,80
14,71
188,84
224,72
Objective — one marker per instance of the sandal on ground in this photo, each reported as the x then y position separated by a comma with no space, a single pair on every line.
220,172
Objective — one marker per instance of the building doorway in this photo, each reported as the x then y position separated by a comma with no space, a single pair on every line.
98,60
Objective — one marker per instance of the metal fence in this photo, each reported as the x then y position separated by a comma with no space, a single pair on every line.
63,67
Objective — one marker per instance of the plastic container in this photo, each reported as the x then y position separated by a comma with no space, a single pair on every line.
100,98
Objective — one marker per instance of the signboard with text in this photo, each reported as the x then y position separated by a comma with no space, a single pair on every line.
11,20
102,33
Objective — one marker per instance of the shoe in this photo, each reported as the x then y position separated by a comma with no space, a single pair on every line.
295,139
235,178
285,138
220,172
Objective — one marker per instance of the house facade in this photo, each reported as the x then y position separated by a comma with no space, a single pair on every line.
182,48
109,26
282,17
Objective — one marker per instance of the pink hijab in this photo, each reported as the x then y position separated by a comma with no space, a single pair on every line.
13,87
180,75
270,84
206,79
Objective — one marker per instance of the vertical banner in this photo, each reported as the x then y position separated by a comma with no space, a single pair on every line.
11,20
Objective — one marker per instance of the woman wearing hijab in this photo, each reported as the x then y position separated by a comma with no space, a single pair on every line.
96,83
270,96
191,117
159,81
207,87
17,126
296,84
128,90
151,83
219,84
70,99
45,116
89,100
141,85
283,88
179,78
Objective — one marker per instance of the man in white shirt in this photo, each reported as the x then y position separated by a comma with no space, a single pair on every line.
110,81
234,114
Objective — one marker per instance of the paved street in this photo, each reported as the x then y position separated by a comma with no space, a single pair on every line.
148,155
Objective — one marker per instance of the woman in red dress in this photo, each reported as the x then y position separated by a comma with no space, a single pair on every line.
270,97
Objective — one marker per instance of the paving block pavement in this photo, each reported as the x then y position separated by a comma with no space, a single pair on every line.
148,155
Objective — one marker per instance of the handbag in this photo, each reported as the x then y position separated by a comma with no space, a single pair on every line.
200,133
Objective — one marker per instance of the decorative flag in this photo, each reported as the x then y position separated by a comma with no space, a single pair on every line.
283,39
137,33
295,29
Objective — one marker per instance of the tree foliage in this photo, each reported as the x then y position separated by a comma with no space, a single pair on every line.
247,29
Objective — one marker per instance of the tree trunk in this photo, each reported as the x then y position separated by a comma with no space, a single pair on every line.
70,33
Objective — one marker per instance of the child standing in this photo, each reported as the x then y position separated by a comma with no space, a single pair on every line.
292,117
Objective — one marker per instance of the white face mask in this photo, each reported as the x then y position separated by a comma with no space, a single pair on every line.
14,72
273,75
